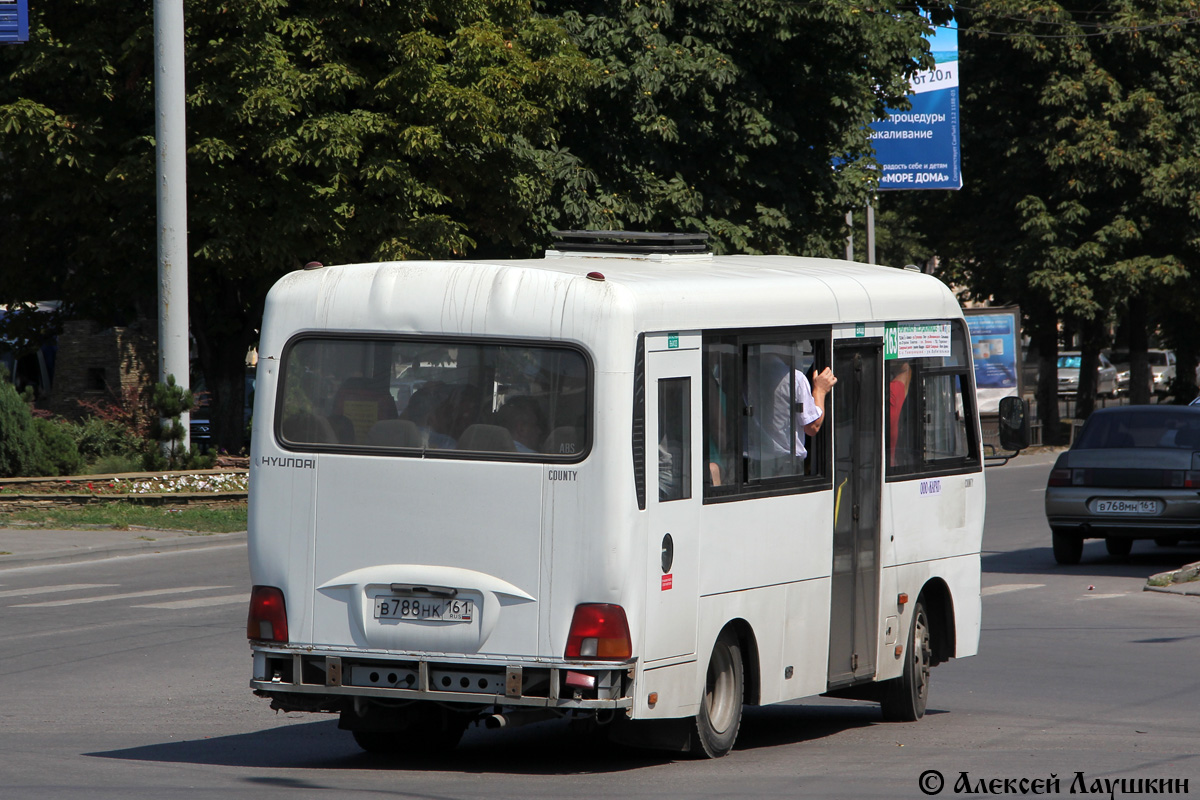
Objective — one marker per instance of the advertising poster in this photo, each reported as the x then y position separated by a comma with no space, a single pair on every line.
996,350
920,148
14,21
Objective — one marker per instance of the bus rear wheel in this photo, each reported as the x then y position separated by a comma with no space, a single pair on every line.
420,729
904,698
721,704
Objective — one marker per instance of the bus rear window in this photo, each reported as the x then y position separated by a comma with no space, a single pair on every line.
434,398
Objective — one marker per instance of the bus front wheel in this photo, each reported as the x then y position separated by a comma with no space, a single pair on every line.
904,698
721,704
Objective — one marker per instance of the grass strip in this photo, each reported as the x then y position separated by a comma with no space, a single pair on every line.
123,516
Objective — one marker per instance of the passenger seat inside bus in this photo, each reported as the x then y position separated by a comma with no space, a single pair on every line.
487,439
394,433
563,441
363,402
306,427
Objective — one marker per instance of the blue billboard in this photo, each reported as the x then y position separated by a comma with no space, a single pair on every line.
920,148
996,351
14,21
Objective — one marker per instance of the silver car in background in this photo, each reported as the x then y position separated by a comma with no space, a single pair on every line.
1068,374
1133,473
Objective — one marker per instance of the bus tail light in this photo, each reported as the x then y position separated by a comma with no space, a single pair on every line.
268,615
599,631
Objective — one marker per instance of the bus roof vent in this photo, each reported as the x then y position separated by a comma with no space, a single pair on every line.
630,242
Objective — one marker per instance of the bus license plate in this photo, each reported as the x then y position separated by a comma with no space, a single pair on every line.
1126,507
424,608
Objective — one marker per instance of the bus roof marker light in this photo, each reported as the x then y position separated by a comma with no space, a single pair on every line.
595,276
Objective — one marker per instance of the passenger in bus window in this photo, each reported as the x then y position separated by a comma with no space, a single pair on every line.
427,408
524,419
462,409
720,427
796,410
900,378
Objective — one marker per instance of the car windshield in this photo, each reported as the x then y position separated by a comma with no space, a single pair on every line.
1157,359
1068,362
1141,429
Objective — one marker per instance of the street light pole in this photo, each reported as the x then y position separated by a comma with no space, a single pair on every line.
170,139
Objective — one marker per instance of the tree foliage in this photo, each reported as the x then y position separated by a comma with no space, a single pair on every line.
337,131
1080,158
743,119
357,130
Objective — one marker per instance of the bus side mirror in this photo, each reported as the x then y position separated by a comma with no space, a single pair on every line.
1014,423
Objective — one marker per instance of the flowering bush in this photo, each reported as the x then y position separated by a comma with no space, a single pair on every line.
167,483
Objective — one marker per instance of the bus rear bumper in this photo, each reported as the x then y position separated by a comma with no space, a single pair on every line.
326,682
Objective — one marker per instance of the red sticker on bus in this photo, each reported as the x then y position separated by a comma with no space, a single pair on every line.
666,582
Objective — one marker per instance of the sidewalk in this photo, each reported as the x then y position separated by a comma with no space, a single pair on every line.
27,547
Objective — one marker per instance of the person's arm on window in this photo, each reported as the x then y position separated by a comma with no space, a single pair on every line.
822,383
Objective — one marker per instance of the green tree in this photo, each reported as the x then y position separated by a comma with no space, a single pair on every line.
1079,147
338,131
729,117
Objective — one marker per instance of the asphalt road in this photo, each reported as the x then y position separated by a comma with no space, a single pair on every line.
126,679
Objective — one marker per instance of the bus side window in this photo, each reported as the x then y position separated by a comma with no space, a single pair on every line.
674,439
945,424
721,413
930,413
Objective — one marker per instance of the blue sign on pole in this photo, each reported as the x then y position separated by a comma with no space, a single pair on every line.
920,148
14,21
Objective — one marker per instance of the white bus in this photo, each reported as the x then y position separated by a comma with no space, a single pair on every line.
504,491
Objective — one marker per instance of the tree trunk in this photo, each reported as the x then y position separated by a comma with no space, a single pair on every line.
1045,339
223,336
1094,338
1139,341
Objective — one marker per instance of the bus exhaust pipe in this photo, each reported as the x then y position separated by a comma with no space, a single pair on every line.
515,719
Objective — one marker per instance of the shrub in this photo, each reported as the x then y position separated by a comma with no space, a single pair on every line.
111,465
58,453
98,438
20,446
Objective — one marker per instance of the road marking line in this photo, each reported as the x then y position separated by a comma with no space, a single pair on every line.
67,587
125,596
1005,588
200,602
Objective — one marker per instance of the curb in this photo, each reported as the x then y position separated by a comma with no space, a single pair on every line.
61,500
194,541
1189,586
